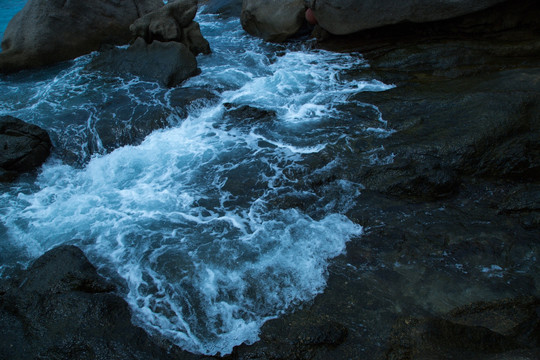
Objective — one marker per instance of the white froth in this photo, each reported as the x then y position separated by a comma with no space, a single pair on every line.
194,219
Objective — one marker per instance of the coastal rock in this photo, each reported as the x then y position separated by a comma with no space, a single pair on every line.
172,22
45,32
60,308
506,329
168,63
225,8
342,17
24,147
272,20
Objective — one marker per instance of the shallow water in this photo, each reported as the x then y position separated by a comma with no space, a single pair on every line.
197,199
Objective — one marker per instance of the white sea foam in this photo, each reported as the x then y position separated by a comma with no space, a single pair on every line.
195,218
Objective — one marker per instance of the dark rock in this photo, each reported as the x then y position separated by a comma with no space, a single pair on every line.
24,147
172,22
46,32
304,338
495,330
167,63
464,116
274,20
194,40
225,8
343,17
60,308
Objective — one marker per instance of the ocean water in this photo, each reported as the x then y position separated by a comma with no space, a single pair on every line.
8,8
212,204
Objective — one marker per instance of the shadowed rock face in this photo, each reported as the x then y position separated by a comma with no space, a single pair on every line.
60,308
447,266
272,20
341,17
45,32
23,147
168,63
173,22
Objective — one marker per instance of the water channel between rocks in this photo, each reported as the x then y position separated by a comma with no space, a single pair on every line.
198,199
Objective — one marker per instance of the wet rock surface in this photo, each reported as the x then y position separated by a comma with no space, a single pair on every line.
447,266
24,147
60,308
167,63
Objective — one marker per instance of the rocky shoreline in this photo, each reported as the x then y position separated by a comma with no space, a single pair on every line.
447,267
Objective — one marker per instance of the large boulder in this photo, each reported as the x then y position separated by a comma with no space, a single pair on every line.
48,31
168,63
173,22
341,17
272,20
24,147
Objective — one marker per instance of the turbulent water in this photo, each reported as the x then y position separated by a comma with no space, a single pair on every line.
213,203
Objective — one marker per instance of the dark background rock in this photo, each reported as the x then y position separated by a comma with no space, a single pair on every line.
60,308
225,8
168,63
24,147
272,20
343,17
453,220
45,32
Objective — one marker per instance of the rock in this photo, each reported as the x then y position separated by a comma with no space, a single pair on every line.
506,329
305,338
45,32
194,40
341,17
168,63
173,22
24,147
60,308
272,20
225,8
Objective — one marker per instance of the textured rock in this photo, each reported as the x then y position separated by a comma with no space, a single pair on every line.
506,329
45,32
60,308
342,17
173,22
24,147
168,63
272,20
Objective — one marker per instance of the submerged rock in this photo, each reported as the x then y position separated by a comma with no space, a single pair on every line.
168,63
341,17
45,32
24,147
60,308
272,20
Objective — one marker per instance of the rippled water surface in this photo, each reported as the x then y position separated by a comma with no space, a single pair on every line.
198,199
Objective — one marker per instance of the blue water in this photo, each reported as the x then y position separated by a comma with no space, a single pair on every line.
203,211
8,8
